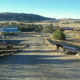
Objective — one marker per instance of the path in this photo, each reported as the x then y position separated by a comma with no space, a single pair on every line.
39,62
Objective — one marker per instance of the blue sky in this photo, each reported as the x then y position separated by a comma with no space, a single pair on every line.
48,8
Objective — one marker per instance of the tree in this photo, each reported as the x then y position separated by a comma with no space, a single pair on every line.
31,27
50,28
58,35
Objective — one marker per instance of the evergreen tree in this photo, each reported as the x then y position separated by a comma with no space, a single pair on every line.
58,35
50,28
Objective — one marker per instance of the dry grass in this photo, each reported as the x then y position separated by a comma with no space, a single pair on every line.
60,23
73,38
72,34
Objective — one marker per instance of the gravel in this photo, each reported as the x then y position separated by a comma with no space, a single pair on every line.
39,62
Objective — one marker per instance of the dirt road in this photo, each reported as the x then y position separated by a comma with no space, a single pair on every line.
38,62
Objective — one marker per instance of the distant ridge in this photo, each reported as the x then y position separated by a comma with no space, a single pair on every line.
6,16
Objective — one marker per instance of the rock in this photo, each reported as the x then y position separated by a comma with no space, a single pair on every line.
78,54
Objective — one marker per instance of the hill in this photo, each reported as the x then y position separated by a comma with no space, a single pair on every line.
22,17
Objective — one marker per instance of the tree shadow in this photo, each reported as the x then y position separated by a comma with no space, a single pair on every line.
37,51
35,59
13,41
36,66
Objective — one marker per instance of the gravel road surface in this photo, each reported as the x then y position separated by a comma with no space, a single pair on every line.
38,62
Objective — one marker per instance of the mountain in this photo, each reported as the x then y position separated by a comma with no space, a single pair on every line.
22,17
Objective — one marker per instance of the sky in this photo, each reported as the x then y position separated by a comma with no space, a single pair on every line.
48,8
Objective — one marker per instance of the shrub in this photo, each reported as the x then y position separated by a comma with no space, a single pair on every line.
58,35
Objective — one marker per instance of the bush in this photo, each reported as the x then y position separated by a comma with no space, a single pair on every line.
58,35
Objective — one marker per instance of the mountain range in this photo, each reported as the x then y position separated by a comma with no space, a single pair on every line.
22,17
